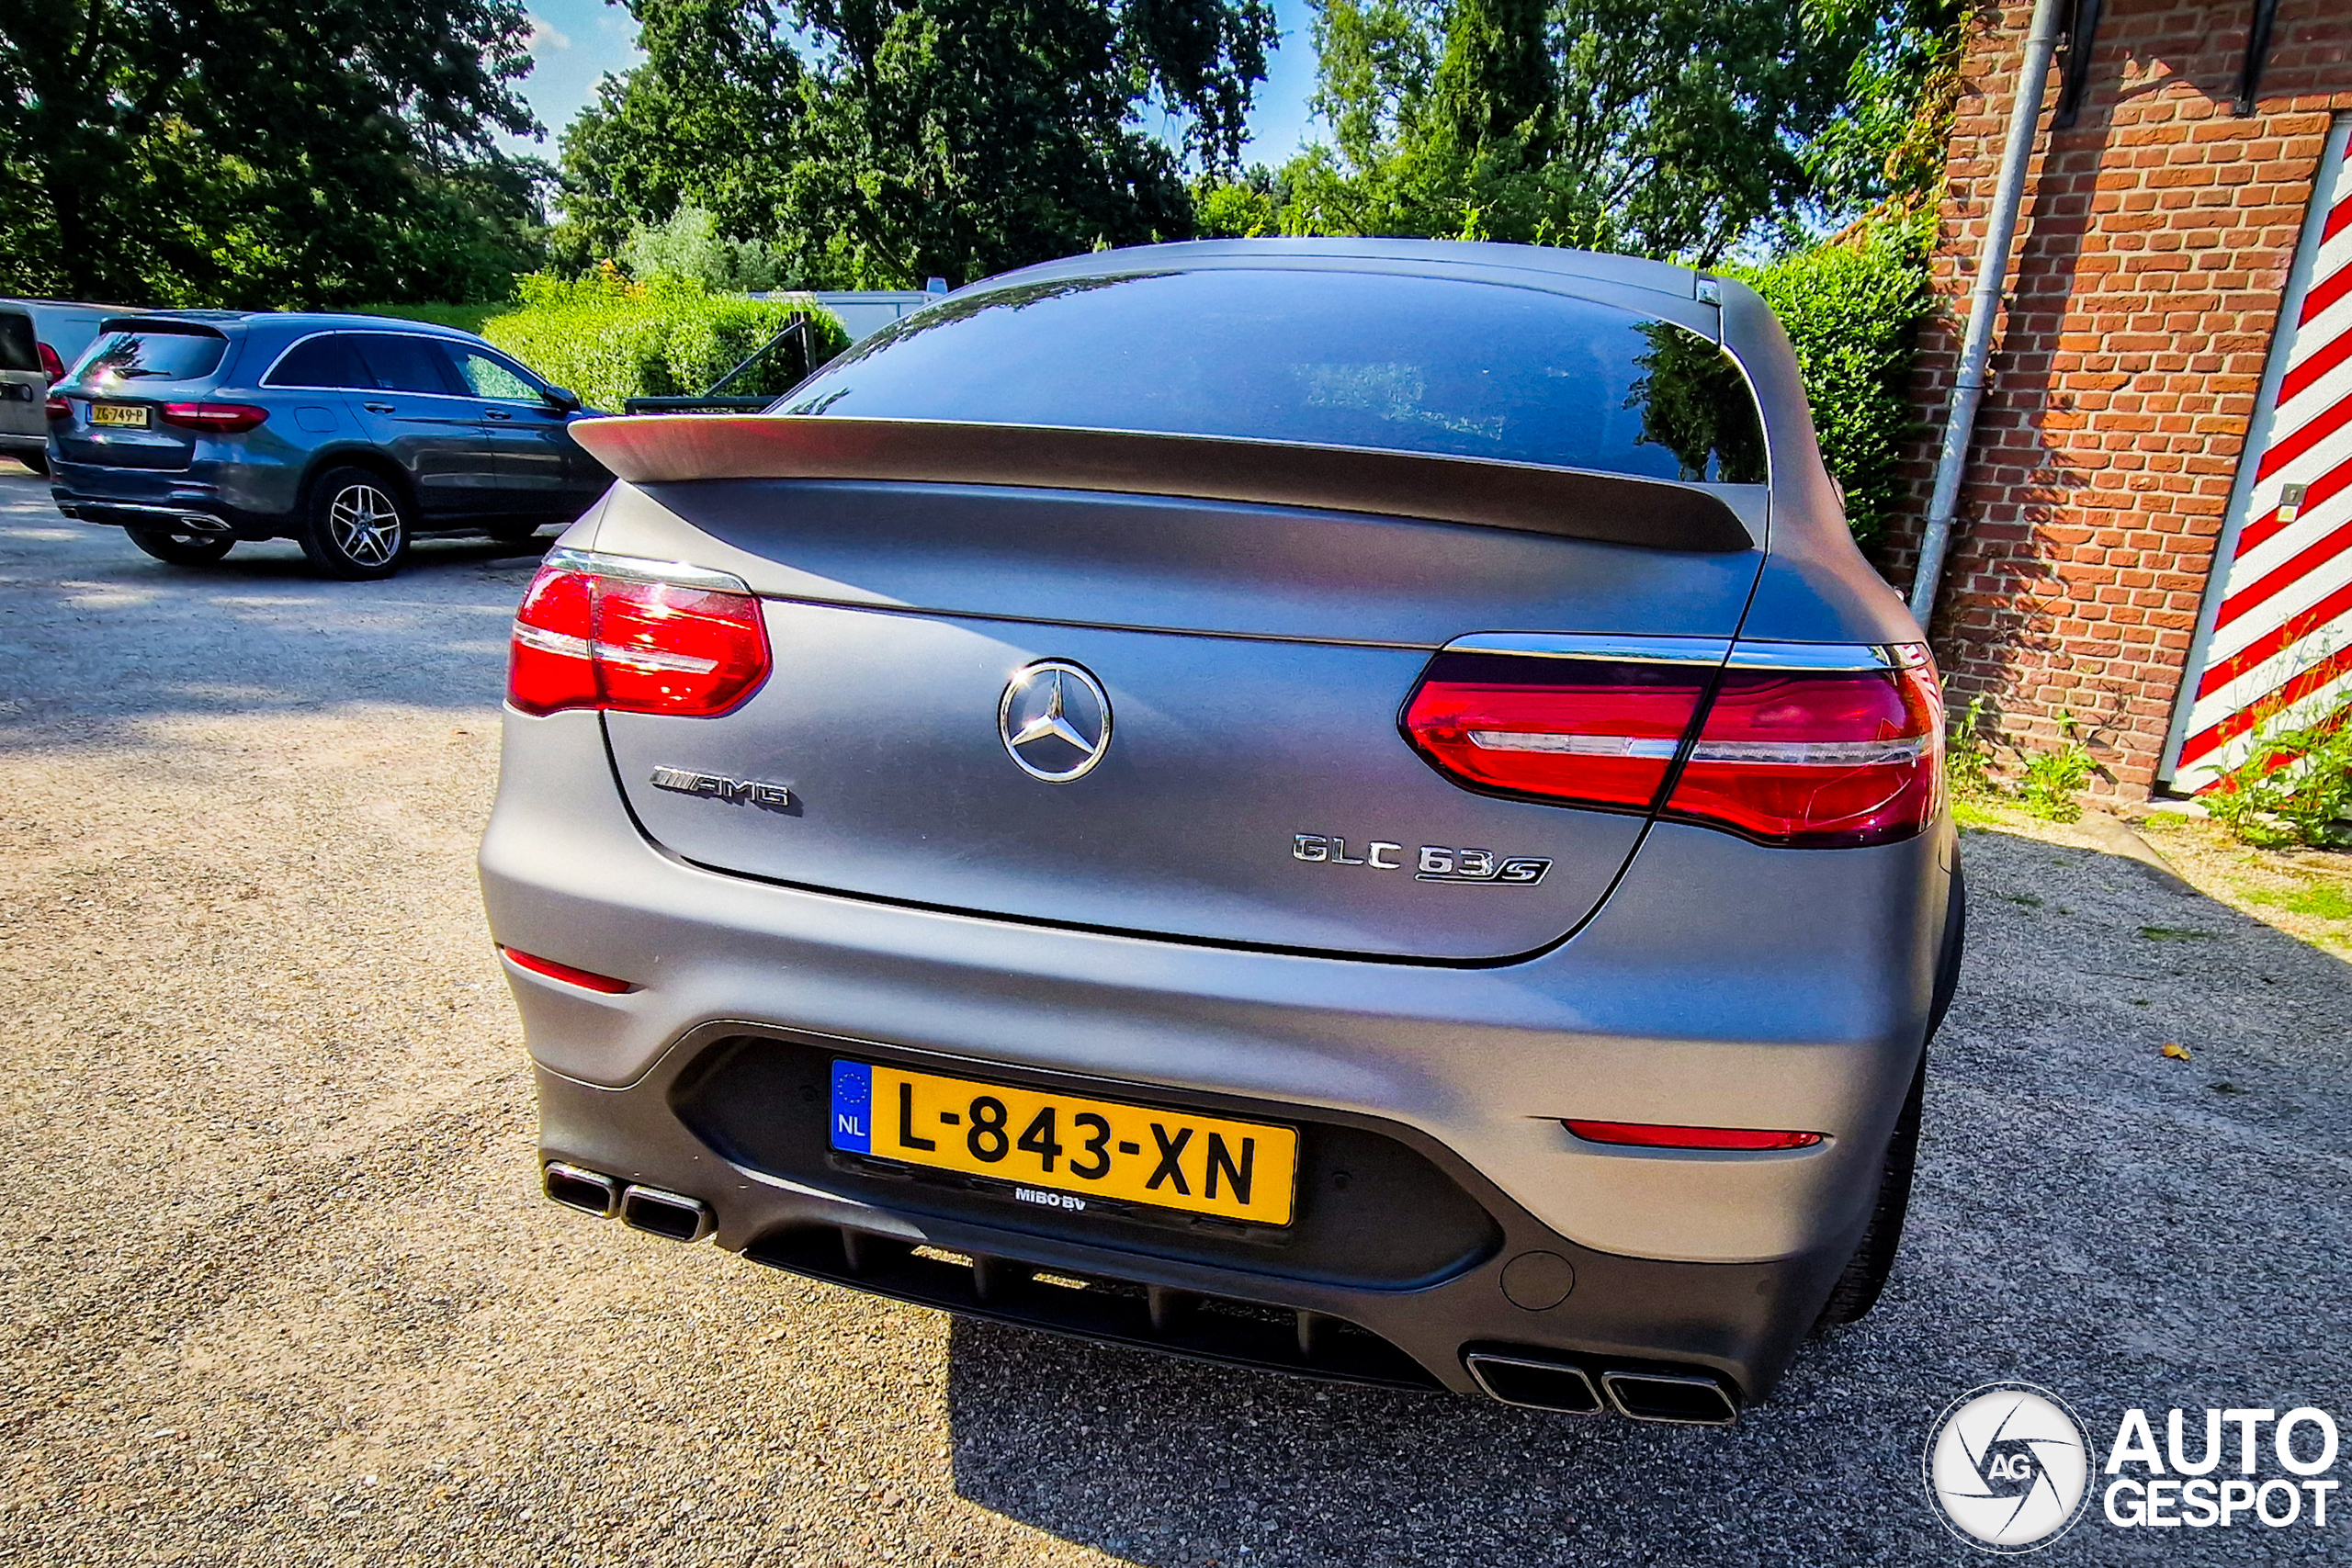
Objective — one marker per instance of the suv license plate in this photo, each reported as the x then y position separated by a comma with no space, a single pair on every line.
132,415
1062,1142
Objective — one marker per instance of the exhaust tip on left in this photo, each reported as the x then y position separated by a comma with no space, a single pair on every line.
1536,1385
582,1189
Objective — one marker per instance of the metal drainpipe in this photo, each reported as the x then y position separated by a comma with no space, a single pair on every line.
1984,306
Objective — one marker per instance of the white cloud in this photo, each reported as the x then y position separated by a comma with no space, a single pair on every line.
544,37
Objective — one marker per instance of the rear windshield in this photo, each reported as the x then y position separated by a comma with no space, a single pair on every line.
1334,359
151,352
16,342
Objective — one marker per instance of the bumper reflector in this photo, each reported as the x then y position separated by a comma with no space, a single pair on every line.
1651,1135
586,979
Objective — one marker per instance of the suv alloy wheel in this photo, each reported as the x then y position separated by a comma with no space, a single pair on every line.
358,526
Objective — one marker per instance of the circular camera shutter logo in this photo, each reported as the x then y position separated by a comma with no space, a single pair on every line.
2009,1467
1055,721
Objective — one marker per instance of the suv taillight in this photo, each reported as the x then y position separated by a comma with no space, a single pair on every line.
631,635
216,418
50,366
1813,746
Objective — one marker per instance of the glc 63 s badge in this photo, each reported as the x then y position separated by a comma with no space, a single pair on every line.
1430,863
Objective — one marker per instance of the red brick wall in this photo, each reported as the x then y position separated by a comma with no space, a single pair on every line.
2144,287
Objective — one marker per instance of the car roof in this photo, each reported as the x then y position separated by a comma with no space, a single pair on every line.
1429,259
301,322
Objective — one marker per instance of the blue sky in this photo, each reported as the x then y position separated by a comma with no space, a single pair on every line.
575,42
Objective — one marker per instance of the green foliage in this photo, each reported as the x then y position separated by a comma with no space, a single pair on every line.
2043,784
919,138
1853,308
2294,787
610,340
1248,208
1968,758
2049,781
2319,900
690,245
1681,128
465,317
263,151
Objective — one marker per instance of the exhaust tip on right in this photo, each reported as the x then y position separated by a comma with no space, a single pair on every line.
665,1214
1681,1398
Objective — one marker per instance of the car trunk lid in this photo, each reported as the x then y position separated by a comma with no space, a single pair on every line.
1255,790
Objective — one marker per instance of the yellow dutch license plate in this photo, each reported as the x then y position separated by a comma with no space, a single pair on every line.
133,415
1060,1144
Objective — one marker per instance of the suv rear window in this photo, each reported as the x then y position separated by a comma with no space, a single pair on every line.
407,362
326,360
16,342
152,351
1393,362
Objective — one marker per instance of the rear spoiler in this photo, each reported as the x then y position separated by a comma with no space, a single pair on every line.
1570,502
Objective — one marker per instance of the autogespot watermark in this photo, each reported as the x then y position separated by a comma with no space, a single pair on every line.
2009,1467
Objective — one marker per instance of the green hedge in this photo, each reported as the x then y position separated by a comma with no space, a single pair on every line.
610,340
465,317
1852,308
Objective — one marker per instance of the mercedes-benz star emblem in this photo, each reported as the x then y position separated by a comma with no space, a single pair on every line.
1055,721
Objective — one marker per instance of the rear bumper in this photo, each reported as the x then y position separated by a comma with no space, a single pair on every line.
249,501
1724,984
1519,1290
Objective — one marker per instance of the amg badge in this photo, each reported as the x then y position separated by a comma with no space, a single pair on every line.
1432,863
753,792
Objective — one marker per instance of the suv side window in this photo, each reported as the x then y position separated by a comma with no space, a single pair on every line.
490,376
326,360
400,362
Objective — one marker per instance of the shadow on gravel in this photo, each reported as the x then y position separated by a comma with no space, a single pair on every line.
2125,1227
96,633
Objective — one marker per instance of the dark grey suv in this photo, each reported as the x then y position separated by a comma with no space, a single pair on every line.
192,430
1347,806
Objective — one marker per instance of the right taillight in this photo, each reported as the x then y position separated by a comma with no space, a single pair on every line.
631,636
1798,745
1823,758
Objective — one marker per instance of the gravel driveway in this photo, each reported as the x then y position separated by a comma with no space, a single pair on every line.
278,1288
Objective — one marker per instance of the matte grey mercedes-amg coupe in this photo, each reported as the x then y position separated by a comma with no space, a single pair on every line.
1341,805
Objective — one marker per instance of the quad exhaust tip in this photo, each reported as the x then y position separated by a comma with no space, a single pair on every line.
582,1189
665,1214
1683,1399
1533,1381
670,1215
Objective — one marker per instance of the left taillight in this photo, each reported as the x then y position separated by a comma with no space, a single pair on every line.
58,407
1798,745
628,636
50,366
214,419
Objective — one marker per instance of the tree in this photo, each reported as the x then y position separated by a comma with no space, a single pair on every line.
1682,127
262,151
915,138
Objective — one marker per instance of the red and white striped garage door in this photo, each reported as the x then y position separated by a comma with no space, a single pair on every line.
2275,646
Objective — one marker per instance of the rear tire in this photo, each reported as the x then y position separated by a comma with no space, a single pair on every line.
181,550
37,461
359,525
